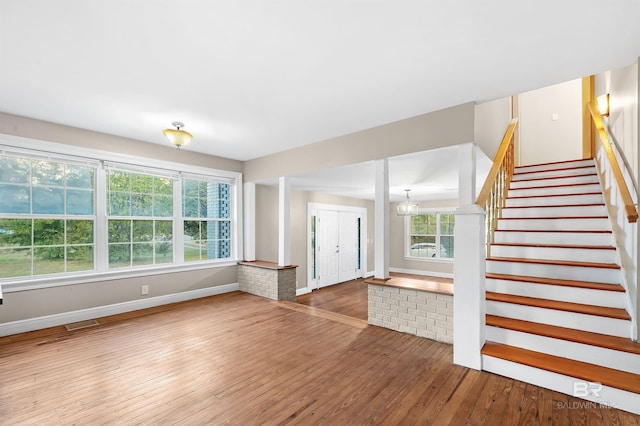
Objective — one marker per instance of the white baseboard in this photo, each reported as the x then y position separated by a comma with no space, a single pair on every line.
31,324
301,291
421,272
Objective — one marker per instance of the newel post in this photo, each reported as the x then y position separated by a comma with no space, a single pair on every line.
469,306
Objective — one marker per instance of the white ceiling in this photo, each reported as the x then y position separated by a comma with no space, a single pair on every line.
254,77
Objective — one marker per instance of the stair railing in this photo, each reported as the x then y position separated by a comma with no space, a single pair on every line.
629,207
494,191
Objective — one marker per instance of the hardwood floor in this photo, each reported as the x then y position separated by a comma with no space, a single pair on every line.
243,360
349,298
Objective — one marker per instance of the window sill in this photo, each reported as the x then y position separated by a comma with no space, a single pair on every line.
430,259
35,283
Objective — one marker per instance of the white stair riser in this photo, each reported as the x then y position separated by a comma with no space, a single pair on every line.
610,358
546,173
555,253
608,396
593,323
554,190
564,180
547,167
555,224
593,238
585,296
561,272
555,200
556,211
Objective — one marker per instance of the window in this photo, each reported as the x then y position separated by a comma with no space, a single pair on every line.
62,214
430,236
140,219
47,217
206,208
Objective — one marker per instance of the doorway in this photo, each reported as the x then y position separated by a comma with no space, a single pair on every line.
335,241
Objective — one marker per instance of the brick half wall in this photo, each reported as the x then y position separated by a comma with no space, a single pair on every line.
417,312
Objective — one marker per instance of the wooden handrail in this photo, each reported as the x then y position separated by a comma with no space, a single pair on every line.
485,192
629,207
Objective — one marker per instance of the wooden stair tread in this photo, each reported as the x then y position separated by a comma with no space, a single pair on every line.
577,231
554,163
562,185
553,177
556,262
558,282
518,170
602,311
569,246
563,333
582,370
553,206
554,195
552,217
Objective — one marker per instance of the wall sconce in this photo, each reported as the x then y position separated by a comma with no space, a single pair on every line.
407,208
603,105
177,136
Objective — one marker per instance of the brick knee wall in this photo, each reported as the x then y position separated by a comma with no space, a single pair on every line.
275,284
417,312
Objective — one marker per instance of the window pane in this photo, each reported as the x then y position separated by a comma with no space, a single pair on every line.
163,186
119,255
163,251
79,201
48,232
49,260
218,240
119,204
15,262
15,170
142,230
423,246
141,183
163,206
79,258
15,198
191,230
447,223
447,247
79,231
119,231
15,232
79,176
119,181
190,188
47,173
190,207
143,254
164,230
48,200
141,205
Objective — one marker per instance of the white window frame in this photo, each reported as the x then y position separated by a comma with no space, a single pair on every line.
56,151
407,236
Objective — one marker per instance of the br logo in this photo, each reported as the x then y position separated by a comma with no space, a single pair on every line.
583,389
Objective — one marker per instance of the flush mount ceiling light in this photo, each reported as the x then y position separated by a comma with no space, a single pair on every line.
407,208
177,136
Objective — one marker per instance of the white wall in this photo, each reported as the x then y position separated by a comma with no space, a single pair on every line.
622,124
543,139
490,124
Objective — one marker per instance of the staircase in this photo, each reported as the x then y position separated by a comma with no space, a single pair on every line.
556,309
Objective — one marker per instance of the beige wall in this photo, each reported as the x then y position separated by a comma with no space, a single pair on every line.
53,300
52,132
396,243
447,127
491,121
267,225
543,140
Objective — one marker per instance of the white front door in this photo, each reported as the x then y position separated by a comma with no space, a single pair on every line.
348,246
328,248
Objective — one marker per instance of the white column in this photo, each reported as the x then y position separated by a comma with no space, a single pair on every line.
469,306
249,221
466,174
284,222
382,220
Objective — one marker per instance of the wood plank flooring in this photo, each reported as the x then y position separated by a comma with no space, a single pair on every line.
243,360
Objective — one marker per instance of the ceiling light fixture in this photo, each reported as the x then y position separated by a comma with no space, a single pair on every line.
177,136
407,208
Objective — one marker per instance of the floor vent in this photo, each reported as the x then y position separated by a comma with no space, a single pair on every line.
81,324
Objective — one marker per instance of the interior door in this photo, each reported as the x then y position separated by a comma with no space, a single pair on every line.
328,248
348,246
